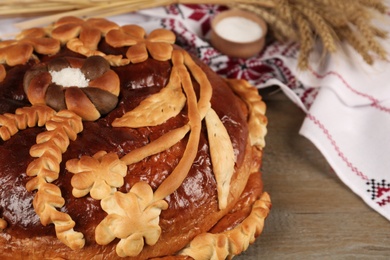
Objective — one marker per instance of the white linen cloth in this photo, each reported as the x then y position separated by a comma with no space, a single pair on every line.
347,102
348,119
348,116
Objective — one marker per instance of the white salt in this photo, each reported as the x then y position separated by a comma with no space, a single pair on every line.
238,29
69,77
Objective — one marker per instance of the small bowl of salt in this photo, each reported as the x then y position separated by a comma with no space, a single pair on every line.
237,33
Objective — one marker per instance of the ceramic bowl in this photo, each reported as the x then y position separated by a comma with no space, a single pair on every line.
243,44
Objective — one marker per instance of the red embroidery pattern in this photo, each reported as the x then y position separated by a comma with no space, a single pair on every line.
203,14
309,96
336,147
250,69
173,10
374,102
290,50
184,37
380,191
381,108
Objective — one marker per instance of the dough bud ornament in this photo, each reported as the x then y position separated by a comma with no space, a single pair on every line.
118,144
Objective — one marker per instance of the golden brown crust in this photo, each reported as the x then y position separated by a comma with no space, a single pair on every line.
90,30
3,224
3,73
16,54
109,81
19,51
31,33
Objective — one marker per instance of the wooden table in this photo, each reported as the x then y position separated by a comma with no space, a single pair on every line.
314,215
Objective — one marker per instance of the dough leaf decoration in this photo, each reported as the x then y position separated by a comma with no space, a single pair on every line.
157,108
222,156
200,76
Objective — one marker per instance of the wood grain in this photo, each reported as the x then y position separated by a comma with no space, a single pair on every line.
314,215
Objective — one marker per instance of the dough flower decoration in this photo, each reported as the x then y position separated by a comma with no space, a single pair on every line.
158,43
99,175
83,36
20,50
89,31
91,91
133,217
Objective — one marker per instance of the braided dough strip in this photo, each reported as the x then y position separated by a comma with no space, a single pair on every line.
50,145
257,120
208,246
24,117
36,115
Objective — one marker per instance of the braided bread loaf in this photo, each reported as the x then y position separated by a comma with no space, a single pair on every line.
119,144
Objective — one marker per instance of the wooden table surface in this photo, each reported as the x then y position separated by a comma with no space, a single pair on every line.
314,215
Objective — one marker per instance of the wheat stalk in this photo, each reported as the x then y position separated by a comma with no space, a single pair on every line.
305,21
